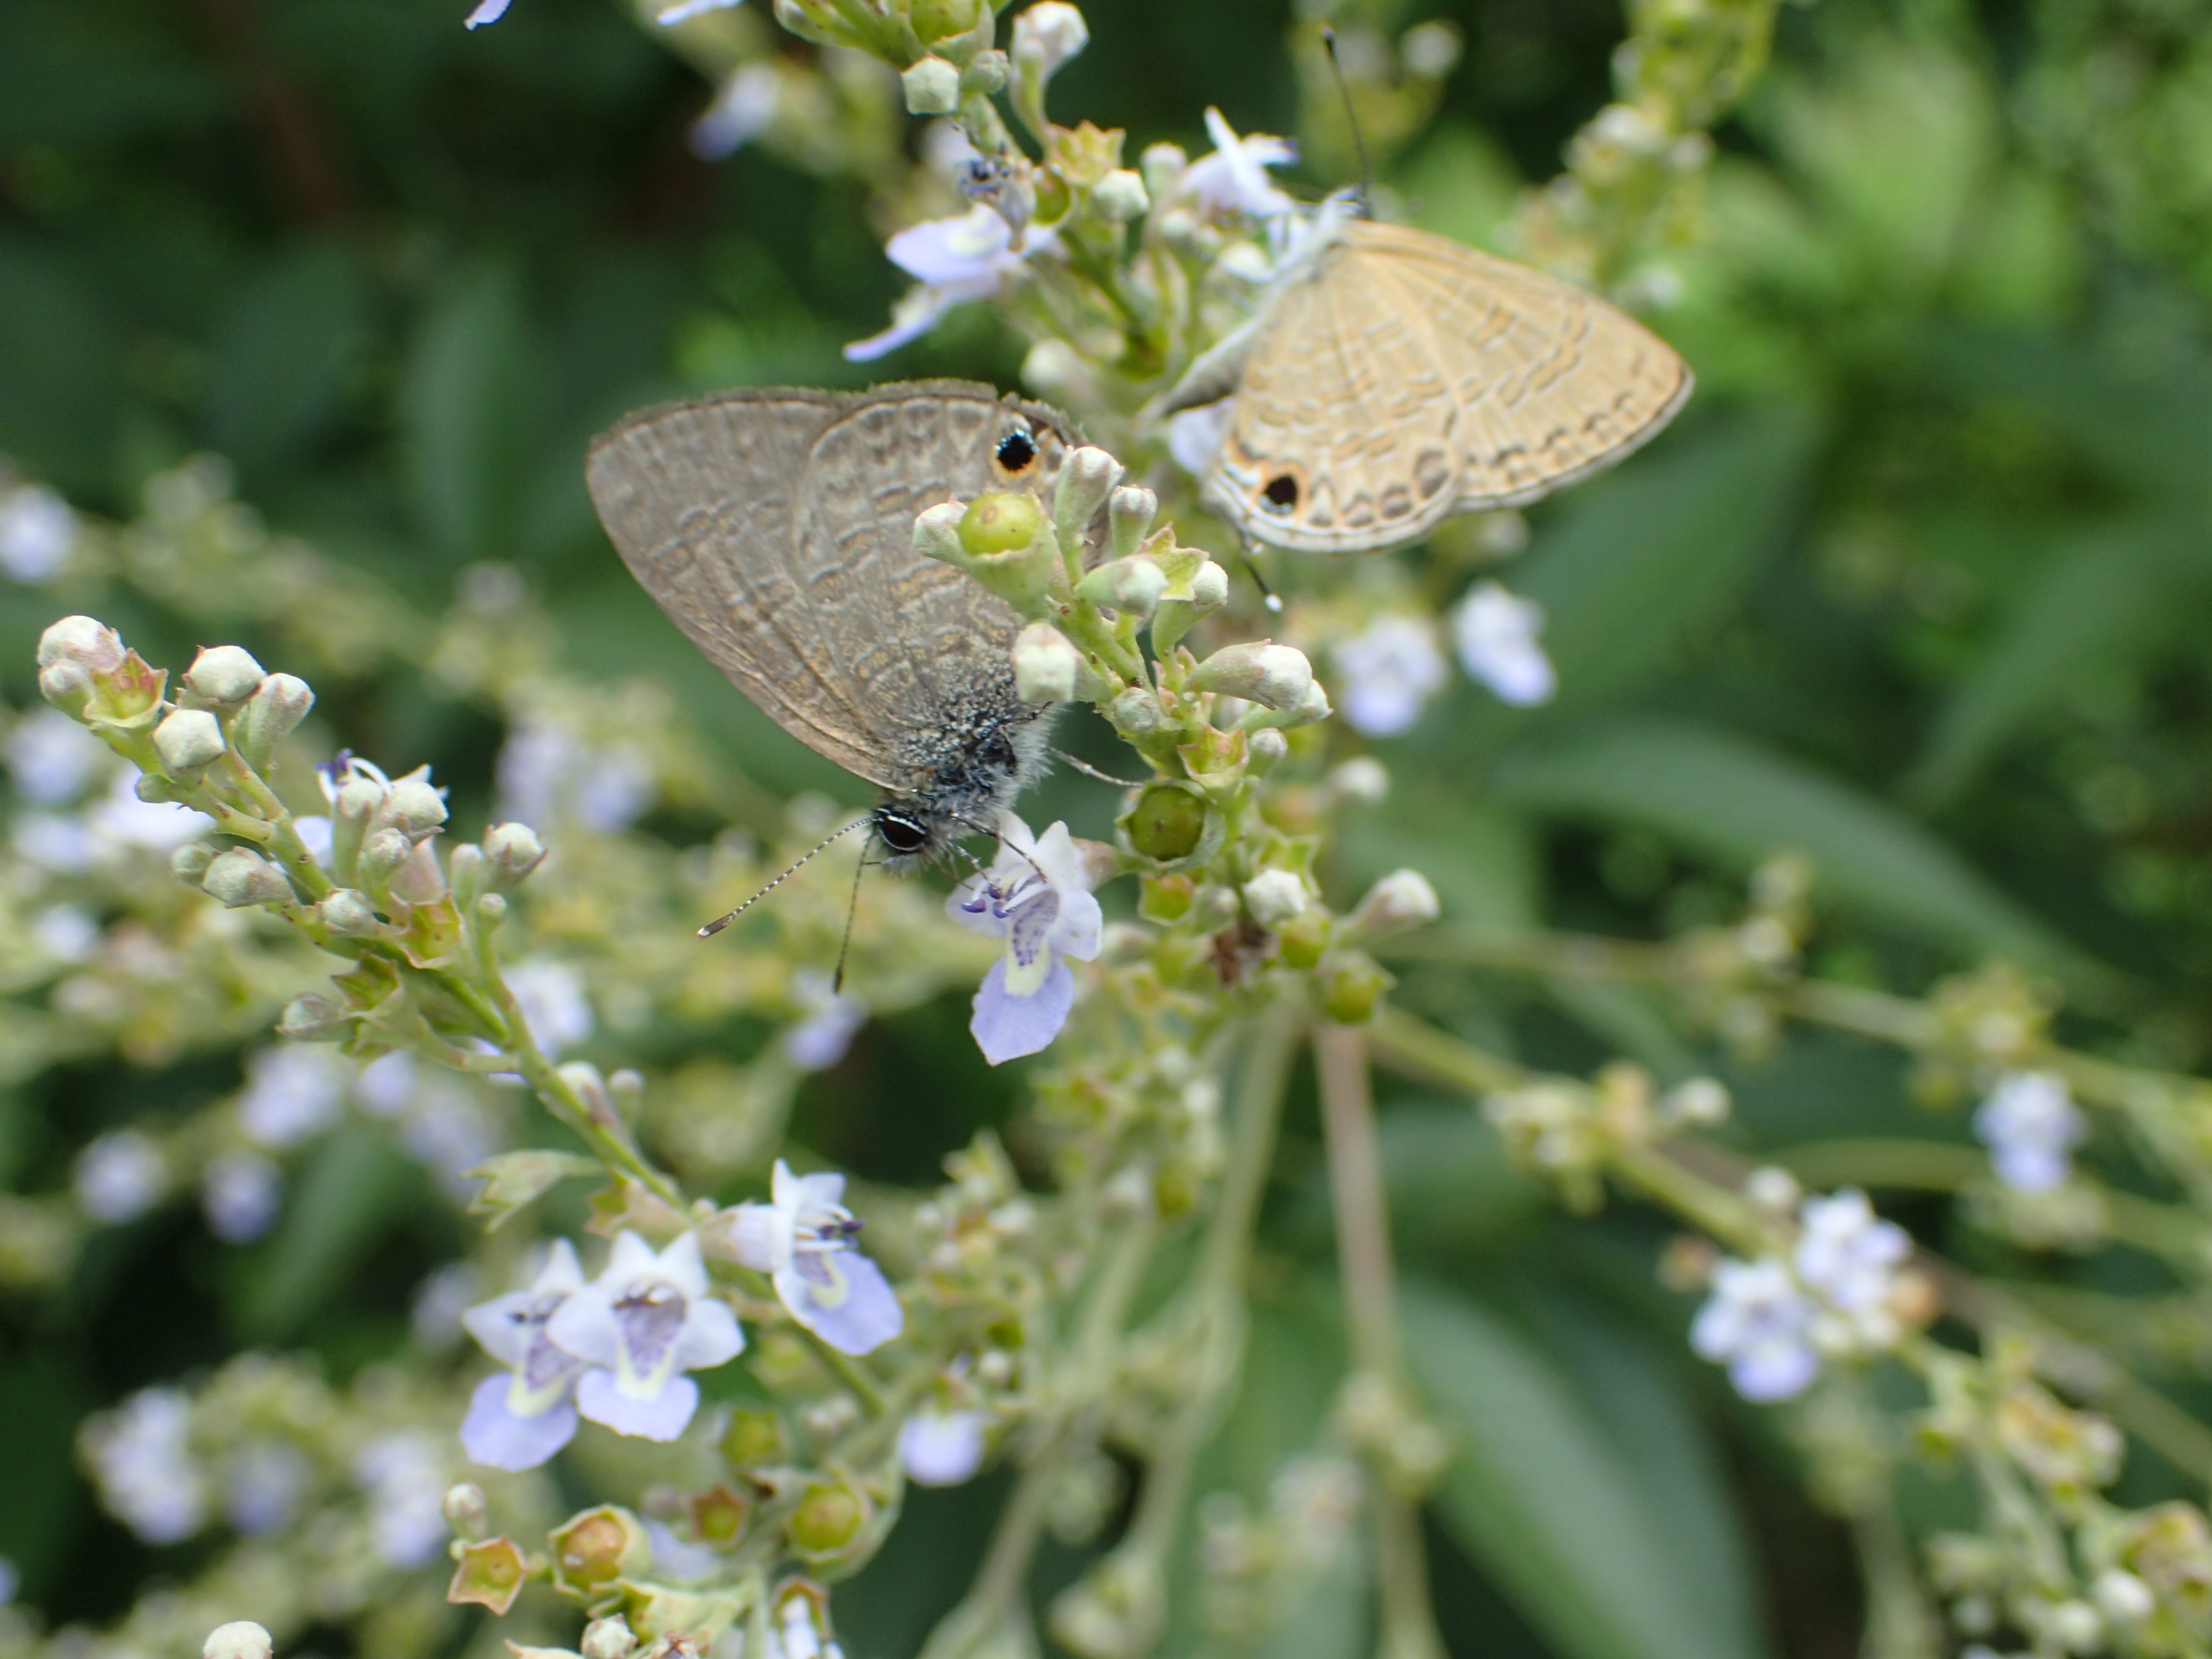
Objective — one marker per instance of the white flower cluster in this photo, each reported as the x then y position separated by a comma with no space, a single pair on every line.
1772,1321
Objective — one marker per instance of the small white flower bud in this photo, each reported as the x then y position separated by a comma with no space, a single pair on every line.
224,673
465,1509
82,640
1313,706
1213,907
243,1639
1264,748
1045,665
313,1019
242,877
1047,35
2078,1628
349,913
189,863
1085,481
413,807
1136,711
1130,511
67,685
936,533
1164,166
188,740
276,706
1362,778
607,1638
419,880
153,789
1209,586
986,74
1133,584
1700,1101
1119,197
2122,1597
1275,897
491,909
1401,899
381,855
1773,1189
510,852
1257,671
932,87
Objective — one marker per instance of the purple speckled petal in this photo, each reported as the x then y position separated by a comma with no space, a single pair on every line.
495,1436
662,1417
1007,1026
863,1317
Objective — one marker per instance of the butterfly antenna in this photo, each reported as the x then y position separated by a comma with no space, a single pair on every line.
1091,771
852,909
1358,145
1268,595
720,923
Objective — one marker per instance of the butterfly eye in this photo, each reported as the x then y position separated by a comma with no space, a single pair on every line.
901,835
1016,453
1281,494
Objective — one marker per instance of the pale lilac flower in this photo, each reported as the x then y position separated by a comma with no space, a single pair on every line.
942,1449
1498,645
1036,896
262,1482
314,830
674,1561
819,1041
292,1091
62,842
240,1194
405,1480
685,10
743,107
519,1416
803,1239
66,933
548,777
2030,1124
37,530
953,260
385,1086
487,11
119,1177
1759,1323
554,1006
1234,177
141,1461
441,1301
1195,436
51,757
1386,672
641,1323
1847,1253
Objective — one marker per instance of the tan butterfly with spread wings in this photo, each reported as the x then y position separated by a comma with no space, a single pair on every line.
1394,377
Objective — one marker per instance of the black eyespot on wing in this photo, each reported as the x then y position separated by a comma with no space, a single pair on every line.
1281,493
1016,452
900,834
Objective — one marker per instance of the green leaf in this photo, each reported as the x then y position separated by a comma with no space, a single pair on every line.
280,364
464,407
1738,803
41,1407
1573,1530
2110,595
354,1187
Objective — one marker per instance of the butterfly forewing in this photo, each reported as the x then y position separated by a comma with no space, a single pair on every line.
1399,377
776,530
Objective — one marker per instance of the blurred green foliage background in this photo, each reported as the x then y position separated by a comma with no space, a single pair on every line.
1918,587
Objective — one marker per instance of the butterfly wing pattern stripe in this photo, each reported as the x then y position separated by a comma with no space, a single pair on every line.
1400,377
775,528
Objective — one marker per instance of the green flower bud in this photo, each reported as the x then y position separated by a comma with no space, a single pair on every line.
1168,822
153,789
188,740
1165,898
936,533
1087,478
91,644
418,879
1129,513
939,20
754,1439
1401,899
1005,542
491,909
381,855
1136,711
986,75
413,806
278,704
189,863
349,913
1045,35
831,1516
1352,987
1201,593
465,1509
1313,706
1263,749
1164,166
719,1516
932,87
1275,897
1275,676
599,1547
809,25
1213,907
1134,584
224,674
510,852
242,877
465,865
607,1638
67,685
1302,941
1119,197
1046,665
